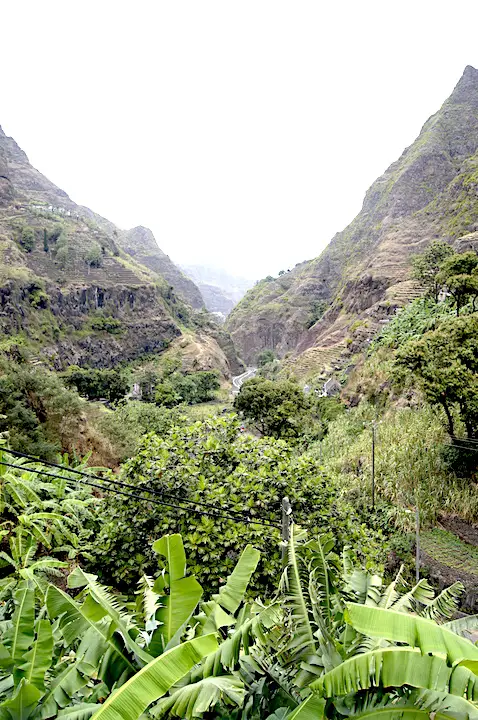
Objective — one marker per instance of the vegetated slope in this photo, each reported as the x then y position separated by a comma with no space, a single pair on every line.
429,192
221,290
68,292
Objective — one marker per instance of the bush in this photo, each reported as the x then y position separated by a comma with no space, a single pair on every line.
107,324
94,256
27,238
210,462
126,425
192,388
36,410
95,384
276,408
265,357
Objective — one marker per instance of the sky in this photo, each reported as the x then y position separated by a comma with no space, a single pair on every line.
244,134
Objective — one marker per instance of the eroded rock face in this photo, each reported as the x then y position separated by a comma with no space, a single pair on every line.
429,192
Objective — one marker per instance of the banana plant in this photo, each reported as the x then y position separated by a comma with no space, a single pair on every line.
37,681
433,671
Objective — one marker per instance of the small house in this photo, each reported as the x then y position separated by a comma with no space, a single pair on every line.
331,388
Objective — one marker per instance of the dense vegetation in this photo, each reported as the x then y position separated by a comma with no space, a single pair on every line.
323,628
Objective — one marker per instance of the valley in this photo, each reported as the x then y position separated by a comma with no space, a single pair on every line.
223,499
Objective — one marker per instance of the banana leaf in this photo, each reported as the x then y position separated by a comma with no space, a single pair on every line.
192,701
396,667
154,680
415,631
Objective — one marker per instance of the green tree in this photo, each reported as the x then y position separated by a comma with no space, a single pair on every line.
427,266
95,384
444,363
36,409
459,274
265,357
27,238
213,463
275,408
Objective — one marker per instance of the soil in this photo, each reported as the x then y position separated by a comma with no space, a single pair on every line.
467,532
444,576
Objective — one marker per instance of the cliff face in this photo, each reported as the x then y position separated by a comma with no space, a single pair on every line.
72,287
429,192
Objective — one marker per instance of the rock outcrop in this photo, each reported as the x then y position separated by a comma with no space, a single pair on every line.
429,192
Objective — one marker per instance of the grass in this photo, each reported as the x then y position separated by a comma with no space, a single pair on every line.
449,550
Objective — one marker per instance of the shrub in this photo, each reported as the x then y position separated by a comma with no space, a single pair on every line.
27,238
95,384
210,462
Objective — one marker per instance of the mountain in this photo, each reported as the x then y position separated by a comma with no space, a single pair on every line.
220,290
320,308
141,244
75,289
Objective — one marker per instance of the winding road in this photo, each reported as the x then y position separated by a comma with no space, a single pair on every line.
239,379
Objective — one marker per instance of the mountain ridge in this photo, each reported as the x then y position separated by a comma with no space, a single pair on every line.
70,293
427,193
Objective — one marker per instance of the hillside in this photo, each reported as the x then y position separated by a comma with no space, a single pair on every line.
74,288
363,274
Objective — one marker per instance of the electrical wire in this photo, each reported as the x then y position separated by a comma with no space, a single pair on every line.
236,518
239,515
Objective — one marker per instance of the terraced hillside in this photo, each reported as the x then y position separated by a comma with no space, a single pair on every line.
429,192
69,290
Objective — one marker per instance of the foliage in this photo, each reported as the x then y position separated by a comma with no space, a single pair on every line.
40,516
334,635
110,325
129,421
275,408
459,274
316,311
94,256
36,409
427,265
265,357
27,238
412,321
444,364
95,384
210,462
192,388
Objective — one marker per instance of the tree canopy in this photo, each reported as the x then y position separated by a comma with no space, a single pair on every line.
275,408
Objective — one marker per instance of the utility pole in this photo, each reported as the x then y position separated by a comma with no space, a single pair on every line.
417,541
373,466
286,523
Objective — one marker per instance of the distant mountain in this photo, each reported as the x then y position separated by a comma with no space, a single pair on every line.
430,192
221,290
76,289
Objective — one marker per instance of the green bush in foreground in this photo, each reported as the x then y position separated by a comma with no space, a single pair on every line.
212,462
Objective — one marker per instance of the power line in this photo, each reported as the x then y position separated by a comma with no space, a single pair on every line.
129,486
236,518
468,440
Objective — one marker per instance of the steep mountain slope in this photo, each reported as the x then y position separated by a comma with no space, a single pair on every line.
429,192
69,293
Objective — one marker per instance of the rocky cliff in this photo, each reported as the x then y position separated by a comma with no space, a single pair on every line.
73,287
430,192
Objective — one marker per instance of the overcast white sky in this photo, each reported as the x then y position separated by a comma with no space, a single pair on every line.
244,133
